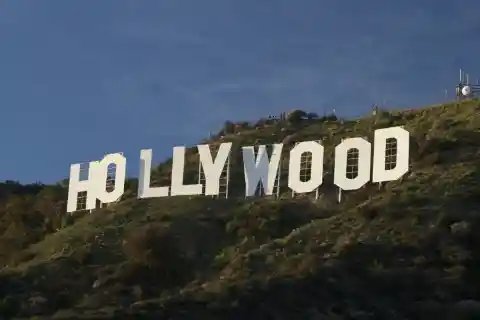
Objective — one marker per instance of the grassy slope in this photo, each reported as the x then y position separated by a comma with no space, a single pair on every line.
405,251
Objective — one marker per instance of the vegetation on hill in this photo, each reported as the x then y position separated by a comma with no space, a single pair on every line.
409,249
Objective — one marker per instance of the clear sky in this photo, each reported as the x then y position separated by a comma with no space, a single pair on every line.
80,79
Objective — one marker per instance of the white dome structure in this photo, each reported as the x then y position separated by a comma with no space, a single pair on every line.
466,90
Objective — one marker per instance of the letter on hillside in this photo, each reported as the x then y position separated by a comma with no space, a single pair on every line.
144,188
178,171
213,168
260,169
95,185
364,161
380,174
120,163
75,186
316,176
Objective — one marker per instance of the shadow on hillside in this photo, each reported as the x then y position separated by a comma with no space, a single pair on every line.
366,281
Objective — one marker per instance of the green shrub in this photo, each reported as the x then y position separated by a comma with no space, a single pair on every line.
152,246
295,116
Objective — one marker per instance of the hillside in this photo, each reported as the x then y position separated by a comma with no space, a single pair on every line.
407,250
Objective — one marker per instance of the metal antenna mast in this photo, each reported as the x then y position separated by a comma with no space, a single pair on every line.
464,89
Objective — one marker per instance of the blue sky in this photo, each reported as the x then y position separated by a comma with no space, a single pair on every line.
80,79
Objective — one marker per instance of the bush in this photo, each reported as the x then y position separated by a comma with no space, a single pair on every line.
228,127
154,260
152,246
295,116
312,115
329,117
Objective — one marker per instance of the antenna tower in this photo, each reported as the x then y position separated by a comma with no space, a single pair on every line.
465,89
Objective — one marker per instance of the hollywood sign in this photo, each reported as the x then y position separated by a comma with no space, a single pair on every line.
258,169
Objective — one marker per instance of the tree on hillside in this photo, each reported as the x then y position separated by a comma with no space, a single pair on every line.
228,127
295,116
